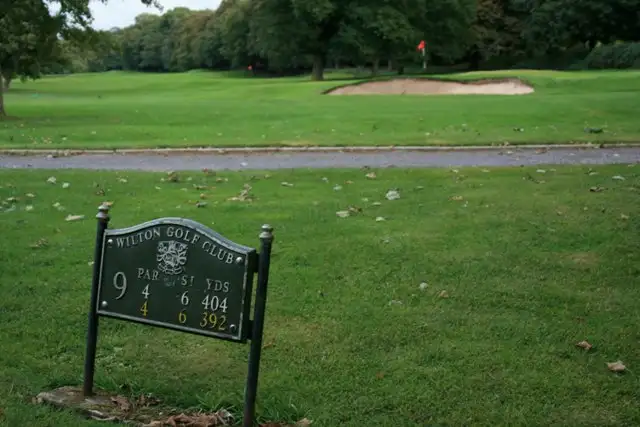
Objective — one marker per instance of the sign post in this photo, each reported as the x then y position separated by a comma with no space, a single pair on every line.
177,274
266,238
92,329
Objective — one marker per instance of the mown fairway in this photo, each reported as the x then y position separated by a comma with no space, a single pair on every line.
117,109
518,265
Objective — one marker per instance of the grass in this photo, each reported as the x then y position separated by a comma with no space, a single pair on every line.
132,110
532,263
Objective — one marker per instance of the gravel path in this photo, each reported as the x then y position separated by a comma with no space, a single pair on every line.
510,156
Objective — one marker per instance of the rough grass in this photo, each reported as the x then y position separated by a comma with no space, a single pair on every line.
119,109
529,268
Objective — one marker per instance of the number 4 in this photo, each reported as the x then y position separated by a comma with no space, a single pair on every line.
145,292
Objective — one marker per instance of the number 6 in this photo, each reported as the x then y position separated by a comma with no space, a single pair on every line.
184,299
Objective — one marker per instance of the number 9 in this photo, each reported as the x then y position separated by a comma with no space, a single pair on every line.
122,287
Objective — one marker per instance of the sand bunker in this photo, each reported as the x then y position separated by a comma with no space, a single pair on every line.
435,87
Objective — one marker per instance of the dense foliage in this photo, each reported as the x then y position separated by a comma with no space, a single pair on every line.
289,36
618,55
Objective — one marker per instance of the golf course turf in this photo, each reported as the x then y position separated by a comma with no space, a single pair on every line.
195,109
460,303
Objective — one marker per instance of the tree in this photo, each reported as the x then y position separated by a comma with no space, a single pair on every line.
29,31
497,31
234,19
553,25
282,29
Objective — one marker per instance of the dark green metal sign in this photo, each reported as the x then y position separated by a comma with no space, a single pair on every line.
177,274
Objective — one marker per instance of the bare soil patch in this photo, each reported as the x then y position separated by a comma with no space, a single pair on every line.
435,87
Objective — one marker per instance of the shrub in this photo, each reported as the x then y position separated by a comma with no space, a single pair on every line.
620,56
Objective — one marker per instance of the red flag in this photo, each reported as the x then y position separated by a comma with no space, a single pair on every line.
422,45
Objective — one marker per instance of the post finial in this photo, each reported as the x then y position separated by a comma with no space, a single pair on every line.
103,213
267,232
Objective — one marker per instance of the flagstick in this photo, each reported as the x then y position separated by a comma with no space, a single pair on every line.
424,58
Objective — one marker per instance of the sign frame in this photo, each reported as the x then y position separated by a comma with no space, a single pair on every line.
256,263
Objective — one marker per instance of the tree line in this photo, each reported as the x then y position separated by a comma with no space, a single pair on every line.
290,36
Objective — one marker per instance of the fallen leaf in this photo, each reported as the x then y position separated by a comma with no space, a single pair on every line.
376,204
395,302
122,180
286,184
392,195
355,209
596,189
380,375
172,176
28,208
618,178
343,214
30,195
305,422
66,185
39,244
201,204
146,400
52,180
122,403
244,196
585,345
623,216
423,286
371,175
444,294
348,182
456,198
268,345
337,187
219,418
325,179
380,219
616,366
74,217
541,171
